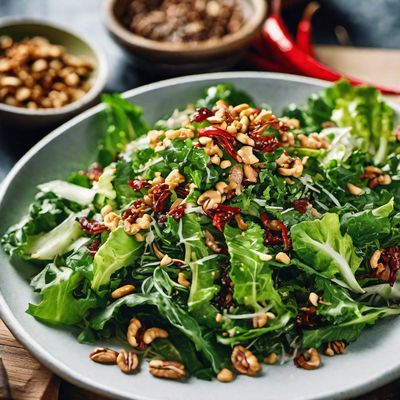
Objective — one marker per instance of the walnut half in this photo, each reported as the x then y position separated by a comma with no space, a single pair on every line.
167,369
244,361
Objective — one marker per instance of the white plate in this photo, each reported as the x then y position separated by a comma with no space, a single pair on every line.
370,362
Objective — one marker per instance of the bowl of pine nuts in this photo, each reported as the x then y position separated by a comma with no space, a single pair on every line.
47,73
175,37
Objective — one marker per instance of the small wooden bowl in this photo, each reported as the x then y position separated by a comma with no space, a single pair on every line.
20,28
168,58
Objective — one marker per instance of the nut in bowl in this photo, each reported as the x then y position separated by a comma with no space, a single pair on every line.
168,37
47,74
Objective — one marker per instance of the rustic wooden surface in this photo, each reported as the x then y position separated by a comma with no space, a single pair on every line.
29,380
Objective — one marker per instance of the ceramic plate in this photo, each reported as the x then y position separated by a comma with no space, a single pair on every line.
370,362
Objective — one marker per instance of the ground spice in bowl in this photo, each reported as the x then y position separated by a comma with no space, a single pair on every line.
183,20
35,73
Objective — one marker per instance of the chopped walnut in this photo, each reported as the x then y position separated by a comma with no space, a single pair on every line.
174,179
313,141
310,359
209,199
154,137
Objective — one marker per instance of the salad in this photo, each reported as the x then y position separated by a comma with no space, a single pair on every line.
223,237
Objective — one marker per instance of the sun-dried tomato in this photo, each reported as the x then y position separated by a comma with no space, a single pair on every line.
264,220
133,211
222,215
159,196
391,260
301,205
275,237
224,138
93,247
138,184
201,115
92,227
162,219
93,173
305,317
182,191
178,212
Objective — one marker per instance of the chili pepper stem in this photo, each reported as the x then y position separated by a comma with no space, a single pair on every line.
304,29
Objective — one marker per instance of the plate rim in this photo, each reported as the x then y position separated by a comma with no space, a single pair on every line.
56,365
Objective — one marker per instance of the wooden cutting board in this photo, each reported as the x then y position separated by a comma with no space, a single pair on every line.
29,380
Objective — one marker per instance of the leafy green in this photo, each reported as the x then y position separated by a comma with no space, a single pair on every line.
173,313
69,191
45,213
223,91
123,173
321,244
250,273
60,305
202,264
119,250
45,246
124,124
365,227
346,317
370,117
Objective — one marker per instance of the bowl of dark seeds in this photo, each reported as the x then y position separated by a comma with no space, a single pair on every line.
47,74
172,37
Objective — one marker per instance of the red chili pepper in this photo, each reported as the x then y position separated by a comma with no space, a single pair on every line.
224,138
304,29
222,215
301,205
92,227
285,50
262,63
285,237
260,57
201,115
138,184
265,144
178,212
